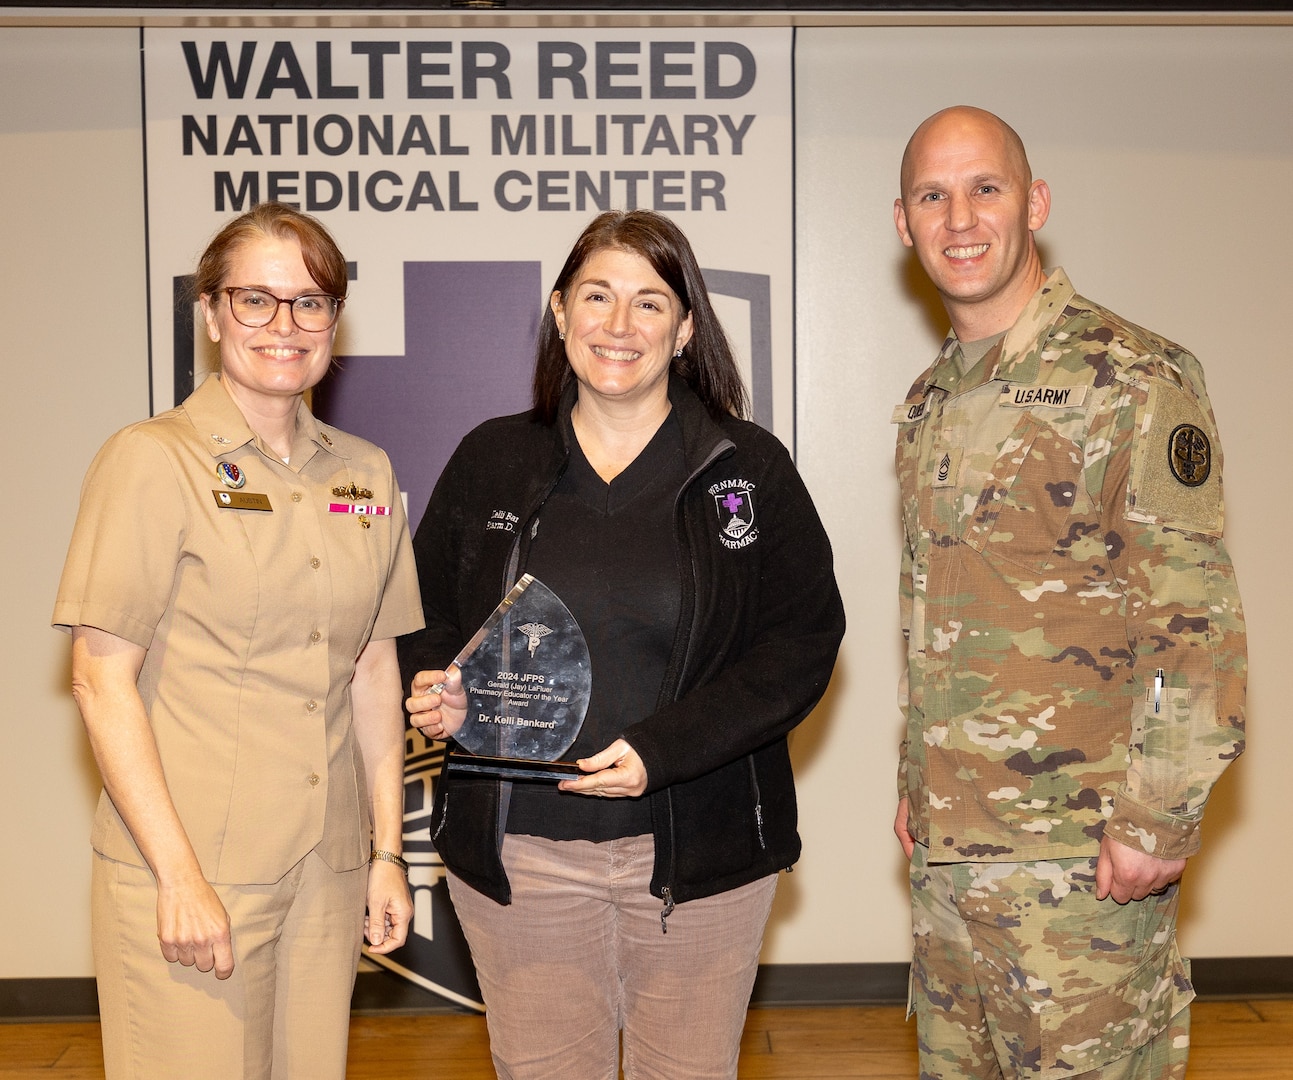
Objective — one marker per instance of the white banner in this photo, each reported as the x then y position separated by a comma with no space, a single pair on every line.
456,168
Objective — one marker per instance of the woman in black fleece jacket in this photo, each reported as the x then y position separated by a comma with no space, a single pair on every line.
633,898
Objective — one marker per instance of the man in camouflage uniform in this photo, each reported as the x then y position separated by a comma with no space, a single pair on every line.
1076,658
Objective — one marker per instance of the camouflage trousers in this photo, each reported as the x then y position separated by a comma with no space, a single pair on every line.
1019,972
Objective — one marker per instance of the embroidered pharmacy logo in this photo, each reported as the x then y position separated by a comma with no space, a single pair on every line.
734,501
1189,454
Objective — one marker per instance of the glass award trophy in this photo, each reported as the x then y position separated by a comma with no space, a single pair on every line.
527,676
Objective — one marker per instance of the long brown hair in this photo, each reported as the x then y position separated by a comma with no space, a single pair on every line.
707,363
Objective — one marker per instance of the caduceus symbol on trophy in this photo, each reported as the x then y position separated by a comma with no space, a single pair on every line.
534,633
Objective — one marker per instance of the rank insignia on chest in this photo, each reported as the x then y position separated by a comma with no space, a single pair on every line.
1189,454
945,467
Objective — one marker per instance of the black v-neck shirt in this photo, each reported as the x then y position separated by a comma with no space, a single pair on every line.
608,551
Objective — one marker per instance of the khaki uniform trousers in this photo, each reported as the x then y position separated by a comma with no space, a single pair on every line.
283,1014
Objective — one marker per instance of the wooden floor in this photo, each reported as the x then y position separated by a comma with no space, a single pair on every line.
1252,1040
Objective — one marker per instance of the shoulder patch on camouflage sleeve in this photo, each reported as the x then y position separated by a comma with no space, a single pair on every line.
1175,478
1189,455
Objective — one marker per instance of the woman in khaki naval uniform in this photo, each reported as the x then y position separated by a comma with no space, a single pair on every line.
234,585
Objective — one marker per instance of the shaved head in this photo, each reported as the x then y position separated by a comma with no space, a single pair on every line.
959,121
969,207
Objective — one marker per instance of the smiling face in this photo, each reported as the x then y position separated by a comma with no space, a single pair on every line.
622,325
969,210
279,360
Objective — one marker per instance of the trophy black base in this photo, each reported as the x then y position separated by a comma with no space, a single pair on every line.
511,768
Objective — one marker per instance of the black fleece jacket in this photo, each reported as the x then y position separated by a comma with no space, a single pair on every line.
760,625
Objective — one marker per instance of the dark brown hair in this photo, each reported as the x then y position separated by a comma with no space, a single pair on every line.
706,363
323,259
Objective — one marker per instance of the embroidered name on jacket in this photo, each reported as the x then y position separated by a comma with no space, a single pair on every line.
1057,397
905,414
734,502
502,521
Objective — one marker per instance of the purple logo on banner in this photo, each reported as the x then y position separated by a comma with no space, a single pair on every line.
469,330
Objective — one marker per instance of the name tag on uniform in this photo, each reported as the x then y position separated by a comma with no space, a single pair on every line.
906,414
1055,397
241,500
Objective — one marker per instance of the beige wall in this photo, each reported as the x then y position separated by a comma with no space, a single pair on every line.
1170,154
74,363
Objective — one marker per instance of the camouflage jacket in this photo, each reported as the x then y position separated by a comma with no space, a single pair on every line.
1063,516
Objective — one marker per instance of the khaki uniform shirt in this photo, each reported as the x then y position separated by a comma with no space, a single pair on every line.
1063,516
253,603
